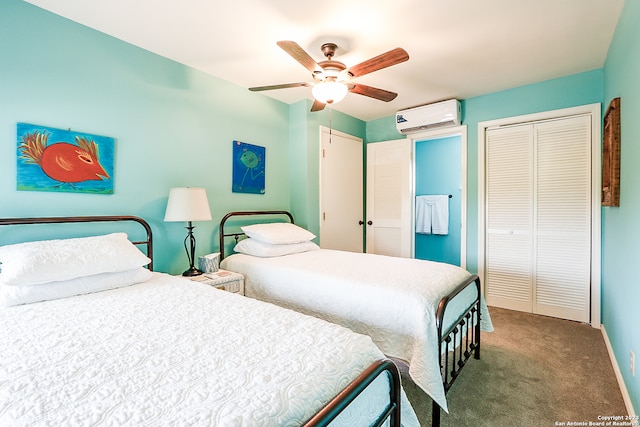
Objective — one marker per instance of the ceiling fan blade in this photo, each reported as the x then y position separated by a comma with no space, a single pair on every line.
379,62
294,49
373,92
317,105
282,86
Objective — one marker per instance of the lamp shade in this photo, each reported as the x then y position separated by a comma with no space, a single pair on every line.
329,92
188,204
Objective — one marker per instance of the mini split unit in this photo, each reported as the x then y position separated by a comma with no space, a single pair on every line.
440,114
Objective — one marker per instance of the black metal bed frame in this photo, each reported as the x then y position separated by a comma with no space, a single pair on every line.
457,343
330,411
349,394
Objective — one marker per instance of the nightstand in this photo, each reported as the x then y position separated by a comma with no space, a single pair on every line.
224,280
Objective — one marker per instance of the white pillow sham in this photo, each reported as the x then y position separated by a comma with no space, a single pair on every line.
26,294
278,233
44,261
260,249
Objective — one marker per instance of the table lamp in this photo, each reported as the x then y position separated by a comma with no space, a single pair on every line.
188,204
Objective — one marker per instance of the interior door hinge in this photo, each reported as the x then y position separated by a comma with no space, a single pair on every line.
324,216
323,153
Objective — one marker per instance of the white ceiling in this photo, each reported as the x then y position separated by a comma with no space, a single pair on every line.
457,48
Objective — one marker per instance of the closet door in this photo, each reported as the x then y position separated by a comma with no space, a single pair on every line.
509,214
341,192
563,218
538,213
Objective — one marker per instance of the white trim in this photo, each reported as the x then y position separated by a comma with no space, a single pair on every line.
435,134
596,161
616,369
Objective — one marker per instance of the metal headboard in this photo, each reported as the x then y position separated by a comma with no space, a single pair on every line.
237,235
148,242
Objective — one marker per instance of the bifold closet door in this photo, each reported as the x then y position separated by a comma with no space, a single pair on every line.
563,218
509,216
538,217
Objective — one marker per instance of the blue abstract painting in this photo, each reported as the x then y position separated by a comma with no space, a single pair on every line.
52,159
248,168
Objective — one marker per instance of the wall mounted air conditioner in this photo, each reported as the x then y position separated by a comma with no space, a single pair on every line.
440,114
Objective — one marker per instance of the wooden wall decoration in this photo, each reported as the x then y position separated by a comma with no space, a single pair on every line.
611,155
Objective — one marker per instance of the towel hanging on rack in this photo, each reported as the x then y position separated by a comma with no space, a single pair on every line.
432,214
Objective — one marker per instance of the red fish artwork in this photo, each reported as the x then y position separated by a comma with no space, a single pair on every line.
64,162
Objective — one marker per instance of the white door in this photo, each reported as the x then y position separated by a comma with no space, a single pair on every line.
509,216
563,218
538,217
389,187
341,191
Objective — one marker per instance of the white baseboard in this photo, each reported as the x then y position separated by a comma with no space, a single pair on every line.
616,370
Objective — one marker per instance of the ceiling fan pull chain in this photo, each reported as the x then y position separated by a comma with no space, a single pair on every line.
330,122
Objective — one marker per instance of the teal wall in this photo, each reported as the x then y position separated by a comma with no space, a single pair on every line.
173,126
621,225
438,171
383,129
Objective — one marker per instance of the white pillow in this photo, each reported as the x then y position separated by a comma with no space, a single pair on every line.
265,250
278,233
44,261
26,294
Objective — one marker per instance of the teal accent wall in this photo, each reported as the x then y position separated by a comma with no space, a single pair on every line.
173,126
621,225
437,171
383,129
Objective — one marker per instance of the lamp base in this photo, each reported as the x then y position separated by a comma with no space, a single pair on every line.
192,271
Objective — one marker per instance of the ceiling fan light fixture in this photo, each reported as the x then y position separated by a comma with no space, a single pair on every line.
329,92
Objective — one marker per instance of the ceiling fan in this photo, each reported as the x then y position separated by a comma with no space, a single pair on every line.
332,79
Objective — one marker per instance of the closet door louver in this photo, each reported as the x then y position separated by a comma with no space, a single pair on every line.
538,217
509,187
563,218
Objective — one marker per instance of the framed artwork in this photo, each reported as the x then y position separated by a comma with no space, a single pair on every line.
248,168
611,155
51,159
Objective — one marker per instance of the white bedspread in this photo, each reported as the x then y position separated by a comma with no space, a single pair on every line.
174,352
393,300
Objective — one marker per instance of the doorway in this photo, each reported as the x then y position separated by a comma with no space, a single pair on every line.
440,168
438,178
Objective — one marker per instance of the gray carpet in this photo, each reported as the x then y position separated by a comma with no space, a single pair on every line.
534,371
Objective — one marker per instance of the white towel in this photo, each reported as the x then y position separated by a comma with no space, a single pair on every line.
432,214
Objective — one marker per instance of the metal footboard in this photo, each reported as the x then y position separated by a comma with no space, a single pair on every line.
459,341
349,394
456,342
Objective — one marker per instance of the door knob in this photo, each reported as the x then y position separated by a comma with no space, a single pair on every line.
369,222
361,222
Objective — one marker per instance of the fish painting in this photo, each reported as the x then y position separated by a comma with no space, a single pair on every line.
57,160
248,168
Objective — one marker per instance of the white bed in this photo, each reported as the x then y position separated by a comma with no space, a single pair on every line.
393,300
169,351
